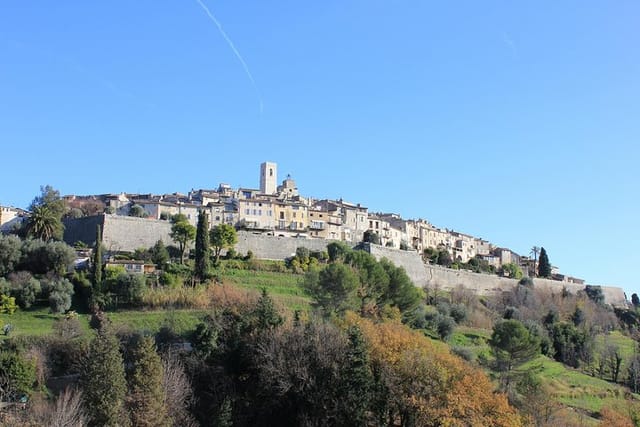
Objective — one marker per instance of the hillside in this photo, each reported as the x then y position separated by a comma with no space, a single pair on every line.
575,395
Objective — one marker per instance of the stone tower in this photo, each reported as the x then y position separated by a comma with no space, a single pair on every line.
268,178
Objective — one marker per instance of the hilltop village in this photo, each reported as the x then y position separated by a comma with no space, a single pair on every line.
280,210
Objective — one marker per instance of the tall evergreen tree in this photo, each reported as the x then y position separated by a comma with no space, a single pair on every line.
146,399
159,254
265,312
544,266
357,381
202,247
103,380
97,260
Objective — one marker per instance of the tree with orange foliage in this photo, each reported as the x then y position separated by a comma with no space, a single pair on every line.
424,384
611,418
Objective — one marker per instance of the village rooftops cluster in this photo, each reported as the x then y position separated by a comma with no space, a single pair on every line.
280,210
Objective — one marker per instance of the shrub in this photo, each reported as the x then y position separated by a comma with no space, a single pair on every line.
444,326
458,312
169,280
463,352
60,292
18,376
25,288
130,287
40,257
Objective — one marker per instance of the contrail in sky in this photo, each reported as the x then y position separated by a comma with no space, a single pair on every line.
233,48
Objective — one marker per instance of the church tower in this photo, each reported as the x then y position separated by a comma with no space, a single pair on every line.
268,177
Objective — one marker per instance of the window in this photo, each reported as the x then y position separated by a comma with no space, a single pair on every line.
294,214
270,172
260,212
281,215
247,211
269,213
255,212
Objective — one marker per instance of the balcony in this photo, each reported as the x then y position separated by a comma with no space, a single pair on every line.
317,225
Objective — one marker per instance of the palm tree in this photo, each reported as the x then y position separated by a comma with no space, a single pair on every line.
44,224
535,251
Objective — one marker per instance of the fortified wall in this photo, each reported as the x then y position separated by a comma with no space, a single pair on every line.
119,233
122,233
483,284
125,233
273,247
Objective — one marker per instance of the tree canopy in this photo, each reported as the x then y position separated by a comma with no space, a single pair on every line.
202,246
45,220
223,236
544,266
512,343
183,234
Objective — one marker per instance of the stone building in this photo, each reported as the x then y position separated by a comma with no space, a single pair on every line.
268,178
11,218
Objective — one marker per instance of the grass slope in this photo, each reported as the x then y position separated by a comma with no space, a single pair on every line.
284,288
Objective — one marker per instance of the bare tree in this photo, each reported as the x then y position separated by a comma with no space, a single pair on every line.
613,361
178,394
68,411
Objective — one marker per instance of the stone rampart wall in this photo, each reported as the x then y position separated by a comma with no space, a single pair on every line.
273,247
119,233
82,229
122,233
126,233
484,284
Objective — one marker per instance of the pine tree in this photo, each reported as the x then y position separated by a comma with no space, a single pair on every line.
146,399
103,380
159,254
202,247
97,259
544,267
266,314
357,381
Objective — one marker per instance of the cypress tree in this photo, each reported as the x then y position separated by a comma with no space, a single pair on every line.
357,381
97,259
146,400
202,247
544,267
103,380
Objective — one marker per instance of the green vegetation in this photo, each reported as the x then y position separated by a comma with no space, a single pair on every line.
182,233
103,380
45,221
202,252
544,266
223,236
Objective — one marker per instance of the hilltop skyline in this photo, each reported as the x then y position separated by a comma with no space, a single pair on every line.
517,124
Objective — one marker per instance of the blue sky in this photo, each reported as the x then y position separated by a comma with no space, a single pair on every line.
516,122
